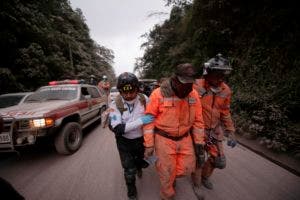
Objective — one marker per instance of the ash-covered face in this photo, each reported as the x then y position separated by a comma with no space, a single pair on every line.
215,78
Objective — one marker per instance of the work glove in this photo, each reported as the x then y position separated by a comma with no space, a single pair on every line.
220,162
231,140
200,156
146,119
148,152
119,130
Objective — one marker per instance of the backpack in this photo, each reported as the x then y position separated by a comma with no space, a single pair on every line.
121,107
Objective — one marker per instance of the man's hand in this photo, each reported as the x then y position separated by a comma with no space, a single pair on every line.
200,156
148,152
231,141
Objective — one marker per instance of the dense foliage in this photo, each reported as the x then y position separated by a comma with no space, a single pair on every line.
262,40
46,40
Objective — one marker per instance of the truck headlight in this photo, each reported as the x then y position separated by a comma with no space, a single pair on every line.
41,123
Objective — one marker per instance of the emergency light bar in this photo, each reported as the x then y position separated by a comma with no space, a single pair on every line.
65,82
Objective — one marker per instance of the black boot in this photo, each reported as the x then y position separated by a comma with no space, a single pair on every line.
131,192
207,183
130,183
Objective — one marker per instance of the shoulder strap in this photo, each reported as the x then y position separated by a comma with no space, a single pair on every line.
142,99
120,104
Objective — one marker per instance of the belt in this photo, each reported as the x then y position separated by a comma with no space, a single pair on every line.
166,134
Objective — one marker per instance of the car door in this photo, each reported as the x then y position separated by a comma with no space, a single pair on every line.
86,101
95,100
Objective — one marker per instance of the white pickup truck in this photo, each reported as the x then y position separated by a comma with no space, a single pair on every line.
60,110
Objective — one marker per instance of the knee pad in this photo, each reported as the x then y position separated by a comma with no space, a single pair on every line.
220,162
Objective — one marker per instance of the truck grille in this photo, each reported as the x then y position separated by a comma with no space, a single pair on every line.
6,142
23,124
7,124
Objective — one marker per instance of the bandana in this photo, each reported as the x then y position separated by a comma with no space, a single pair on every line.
181,90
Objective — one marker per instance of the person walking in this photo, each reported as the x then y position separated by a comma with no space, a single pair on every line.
215,96
177,128
126,116
104,85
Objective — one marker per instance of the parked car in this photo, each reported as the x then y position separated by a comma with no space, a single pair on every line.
60,110
114,92
11,99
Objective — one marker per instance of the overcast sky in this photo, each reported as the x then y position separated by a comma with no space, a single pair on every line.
118,25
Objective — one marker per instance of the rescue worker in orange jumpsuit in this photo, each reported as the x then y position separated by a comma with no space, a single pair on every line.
215,97
104,85
177,128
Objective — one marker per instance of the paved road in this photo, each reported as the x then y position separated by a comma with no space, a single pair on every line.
94,172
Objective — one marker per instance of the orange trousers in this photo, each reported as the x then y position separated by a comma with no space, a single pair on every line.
213,150
175,159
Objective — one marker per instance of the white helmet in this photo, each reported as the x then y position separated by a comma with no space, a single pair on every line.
218,63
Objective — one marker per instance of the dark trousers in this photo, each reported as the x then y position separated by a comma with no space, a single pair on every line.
131,154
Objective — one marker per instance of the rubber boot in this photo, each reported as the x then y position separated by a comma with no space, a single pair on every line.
207,183
198,192
131,189
131,192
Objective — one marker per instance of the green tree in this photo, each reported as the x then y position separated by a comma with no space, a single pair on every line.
46,40
261,38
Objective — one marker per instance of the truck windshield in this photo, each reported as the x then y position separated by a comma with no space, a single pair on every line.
53,93
6,101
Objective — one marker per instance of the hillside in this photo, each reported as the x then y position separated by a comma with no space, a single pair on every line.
261,39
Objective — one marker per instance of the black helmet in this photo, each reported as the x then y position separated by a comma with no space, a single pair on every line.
218,63
127,81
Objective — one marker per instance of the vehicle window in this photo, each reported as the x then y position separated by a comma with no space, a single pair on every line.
84,91
6,101
27,97
94,92
53,93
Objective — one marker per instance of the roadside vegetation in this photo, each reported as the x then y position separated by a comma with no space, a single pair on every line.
262,40
44,40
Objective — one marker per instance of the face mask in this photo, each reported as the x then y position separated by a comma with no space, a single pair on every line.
181,90
130,102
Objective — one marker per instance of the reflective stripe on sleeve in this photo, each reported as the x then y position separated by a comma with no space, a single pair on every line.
198,131
150,131
226,116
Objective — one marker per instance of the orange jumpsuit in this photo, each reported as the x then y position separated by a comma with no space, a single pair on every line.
175,118
216,113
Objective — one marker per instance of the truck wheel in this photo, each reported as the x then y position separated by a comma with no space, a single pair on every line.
69,138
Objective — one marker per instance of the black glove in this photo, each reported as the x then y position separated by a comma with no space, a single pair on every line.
200,156
220,162
119,130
